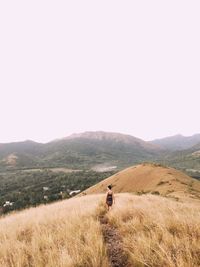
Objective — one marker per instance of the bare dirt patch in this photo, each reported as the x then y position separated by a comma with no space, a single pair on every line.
11,160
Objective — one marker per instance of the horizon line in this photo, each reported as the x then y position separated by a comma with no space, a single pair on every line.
74,133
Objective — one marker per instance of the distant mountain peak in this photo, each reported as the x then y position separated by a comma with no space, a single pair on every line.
101,135
178,142
113,137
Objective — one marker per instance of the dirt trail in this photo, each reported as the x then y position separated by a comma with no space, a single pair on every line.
115,251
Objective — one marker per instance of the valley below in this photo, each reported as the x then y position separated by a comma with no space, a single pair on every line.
32,173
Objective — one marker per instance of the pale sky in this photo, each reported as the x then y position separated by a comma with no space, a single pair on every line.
122,66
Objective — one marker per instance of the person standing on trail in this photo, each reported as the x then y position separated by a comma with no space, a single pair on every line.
110,199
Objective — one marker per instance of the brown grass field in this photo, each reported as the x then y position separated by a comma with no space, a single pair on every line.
61,234
147,178
157,231
154,231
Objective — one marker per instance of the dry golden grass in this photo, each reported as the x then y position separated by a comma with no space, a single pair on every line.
63,234
157,231
150,178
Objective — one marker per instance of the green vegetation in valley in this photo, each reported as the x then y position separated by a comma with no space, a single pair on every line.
30,188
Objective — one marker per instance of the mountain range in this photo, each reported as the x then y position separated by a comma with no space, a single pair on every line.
96,150
178,142
78,151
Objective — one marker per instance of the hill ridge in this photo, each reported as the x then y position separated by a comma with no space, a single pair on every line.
177,142
150,178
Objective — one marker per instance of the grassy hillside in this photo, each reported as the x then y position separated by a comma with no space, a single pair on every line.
154,231
152,178
157,231
53,235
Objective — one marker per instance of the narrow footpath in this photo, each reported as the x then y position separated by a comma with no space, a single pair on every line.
116,254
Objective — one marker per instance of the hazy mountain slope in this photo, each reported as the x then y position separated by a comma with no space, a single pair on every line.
116,137
177,142
80,151
20,154
187,160
29,147
97,150
150,178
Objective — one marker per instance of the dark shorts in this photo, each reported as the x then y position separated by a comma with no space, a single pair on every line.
109,203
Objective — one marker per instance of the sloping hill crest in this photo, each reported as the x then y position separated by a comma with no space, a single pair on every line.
150,178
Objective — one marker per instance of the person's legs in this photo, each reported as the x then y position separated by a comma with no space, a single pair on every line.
107,206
